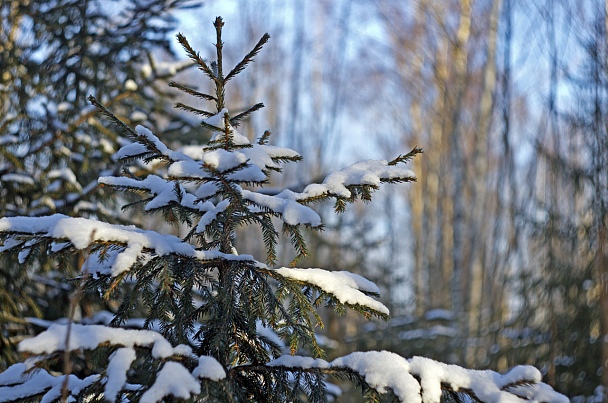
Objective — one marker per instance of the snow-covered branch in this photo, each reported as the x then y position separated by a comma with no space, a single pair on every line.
348,288
422,380
364,173
133,242
21,381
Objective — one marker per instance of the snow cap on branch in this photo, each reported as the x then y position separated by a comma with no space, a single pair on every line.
82,232
421,379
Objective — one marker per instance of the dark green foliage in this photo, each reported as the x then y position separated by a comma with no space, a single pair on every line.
52,145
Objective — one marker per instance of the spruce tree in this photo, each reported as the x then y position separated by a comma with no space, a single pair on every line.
53,146
220,326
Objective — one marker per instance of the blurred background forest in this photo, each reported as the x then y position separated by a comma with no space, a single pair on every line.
495,257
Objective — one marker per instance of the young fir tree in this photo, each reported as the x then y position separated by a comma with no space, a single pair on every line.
221,326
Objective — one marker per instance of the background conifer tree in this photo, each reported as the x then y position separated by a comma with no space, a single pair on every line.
52,144
220,326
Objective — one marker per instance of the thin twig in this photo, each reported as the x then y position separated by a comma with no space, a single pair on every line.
74,301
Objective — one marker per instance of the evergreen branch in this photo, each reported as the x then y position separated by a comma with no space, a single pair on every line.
264,139
235,121
145,156
454,392
274,303
173,209
398,180
366,311
269,235
248,58
125,128
519,382
298,242
190,109
150,145
285,158
212,128
407,157
300,307
112,288
221,143
196,57
136,203
191,91
339,372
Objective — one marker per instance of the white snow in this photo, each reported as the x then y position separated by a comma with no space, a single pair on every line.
54,186
23,254
13,374
148,143
210,215
190,169
19,385
333,389
258,155
160,146
119,364
262,155
9,244
187,169
90,336
326,342
83,205
8,139
218,159
541,392
292,212
269,334
164,191
276,152
94,264
173,379
193,151
130,85
107,146
81,232
384,370
165,69
182,349
66,174
370,172
146,70
295,361
138,116
346,287
223,160
130,150
249,174
210,368
206,190
218,121
64,106
17,178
